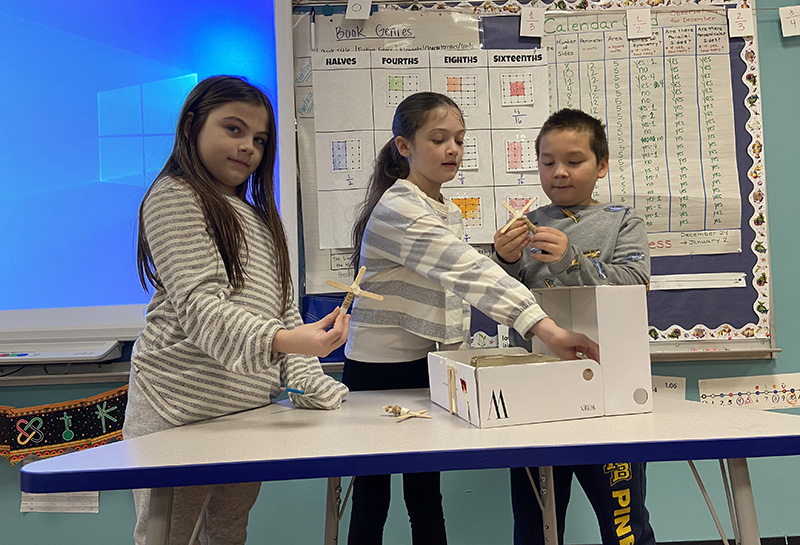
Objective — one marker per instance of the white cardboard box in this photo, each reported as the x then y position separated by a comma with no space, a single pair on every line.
614,316
506,395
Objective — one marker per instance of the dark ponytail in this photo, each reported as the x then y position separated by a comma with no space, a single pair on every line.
390,166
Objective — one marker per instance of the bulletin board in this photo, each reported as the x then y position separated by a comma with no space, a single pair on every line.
682,110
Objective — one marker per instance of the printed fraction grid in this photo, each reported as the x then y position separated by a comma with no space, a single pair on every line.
463,90
346,155
399,87
469,160
516,88
520,155
470,210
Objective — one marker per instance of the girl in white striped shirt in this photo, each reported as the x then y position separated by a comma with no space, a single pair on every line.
222,333
410,238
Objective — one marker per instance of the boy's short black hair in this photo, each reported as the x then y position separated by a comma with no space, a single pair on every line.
578,120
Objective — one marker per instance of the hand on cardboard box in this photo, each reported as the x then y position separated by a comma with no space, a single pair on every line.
565,344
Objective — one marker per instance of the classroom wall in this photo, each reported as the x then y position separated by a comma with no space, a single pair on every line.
477,505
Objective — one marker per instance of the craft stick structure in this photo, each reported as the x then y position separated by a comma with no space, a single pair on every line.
519,215
451,390
353,290
403,413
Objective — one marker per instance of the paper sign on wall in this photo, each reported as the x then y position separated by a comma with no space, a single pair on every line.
752,392
672,387
531,22
740,22
639,23
790,20
358,9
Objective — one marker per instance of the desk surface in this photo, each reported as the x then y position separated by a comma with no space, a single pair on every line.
279,442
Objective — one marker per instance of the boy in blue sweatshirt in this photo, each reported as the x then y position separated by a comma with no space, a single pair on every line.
578,241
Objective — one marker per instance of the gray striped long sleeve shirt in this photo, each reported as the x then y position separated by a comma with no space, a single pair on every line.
416,258
206,351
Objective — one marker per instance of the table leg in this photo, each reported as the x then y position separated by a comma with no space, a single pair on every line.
743,503
332,511
159,517
547,489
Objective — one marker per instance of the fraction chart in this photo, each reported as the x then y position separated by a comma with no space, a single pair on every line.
469,161
516,88
346,155
503,97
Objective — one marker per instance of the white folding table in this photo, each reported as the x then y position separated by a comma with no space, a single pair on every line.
280,442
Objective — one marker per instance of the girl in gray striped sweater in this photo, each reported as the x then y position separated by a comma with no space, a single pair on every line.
222,333
410,238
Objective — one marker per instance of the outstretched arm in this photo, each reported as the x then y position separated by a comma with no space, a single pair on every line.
564,343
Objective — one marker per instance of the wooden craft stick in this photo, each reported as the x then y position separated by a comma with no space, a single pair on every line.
402,413
519,215
413,414
353,290
348,300
451,390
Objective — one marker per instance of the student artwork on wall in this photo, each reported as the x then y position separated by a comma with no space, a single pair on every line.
50,430
682,110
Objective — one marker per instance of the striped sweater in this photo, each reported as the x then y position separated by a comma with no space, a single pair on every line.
416,257
206,351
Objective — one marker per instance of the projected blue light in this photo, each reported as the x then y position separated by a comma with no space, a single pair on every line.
250,50
93,90
136,126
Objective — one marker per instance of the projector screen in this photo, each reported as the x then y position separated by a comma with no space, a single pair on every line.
90,97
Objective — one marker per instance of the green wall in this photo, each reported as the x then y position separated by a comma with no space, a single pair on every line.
477,504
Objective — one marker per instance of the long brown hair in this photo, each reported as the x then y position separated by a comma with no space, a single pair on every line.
412,113
184,163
